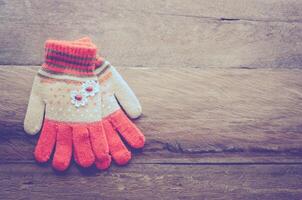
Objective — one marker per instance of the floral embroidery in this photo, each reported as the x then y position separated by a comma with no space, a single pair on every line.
78,98
89,88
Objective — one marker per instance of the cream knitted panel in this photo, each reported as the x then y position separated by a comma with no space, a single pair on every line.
114,88
55,97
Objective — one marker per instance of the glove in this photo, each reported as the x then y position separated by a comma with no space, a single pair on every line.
115,119
67,93
115,92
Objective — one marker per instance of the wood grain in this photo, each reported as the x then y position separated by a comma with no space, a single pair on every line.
278,182
170,33
190,115
219,81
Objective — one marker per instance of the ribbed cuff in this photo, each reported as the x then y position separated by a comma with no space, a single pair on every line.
99,62
69,58
101,66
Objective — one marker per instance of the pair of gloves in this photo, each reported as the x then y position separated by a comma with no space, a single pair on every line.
75,99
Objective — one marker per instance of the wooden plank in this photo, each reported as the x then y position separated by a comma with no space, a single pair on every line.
159,33
190,115
278,182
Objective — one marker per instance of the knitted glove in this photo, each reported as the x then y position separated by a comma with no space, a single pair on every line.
115,92
66,94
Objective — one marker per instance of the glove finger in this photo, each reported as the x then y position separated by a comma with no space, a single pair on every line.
104,163
46,141
117,149
128,129
99,145
82,148
63,150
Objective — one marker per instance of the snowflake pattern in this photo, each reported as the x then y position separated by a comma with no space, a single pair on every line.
90,88
80,98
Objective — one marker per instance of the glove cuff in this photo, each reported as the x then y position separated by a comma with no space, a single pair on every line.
69,59
100,66
99,62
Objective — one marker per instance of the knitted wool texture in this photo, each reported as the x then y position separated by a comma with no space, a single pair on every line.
66,94
115,92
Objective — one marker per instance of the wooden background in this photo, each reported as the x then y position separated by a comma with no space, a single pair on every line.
219,81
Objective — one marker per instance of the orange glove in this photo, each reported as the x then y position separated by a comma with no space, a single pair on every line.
115,92
66,95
